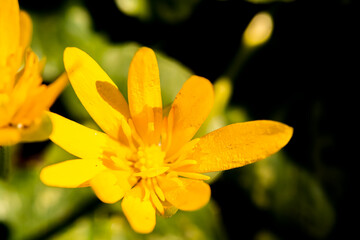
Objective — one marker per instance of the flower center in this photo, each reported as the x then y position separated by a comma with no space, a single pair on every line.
150,161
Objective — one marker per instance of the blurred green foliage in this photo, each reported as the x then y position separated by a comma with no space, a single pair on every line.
109,223
27,206
72,26
171,11
290,193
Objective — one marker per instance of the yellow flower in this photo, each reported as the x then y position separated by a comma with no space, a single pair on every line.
146,158
23,97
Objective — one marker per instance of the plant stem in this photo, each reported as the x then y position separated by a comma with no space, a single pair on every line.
237,64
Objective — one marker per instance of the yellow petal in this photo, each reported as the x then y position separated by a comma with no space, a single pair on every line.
185,194
190,108
9,29
111,186
237,145
6,84
27,80
96,91
139,211
41,99
9,136
144,95
71,173
48,97
24,42
25,29
78,140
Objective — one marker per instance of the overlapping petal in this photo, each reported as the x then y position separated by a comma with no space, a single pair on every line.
9,29
40,100
189,110
111,186
138,210
237,145
25,29
71,173
27,85
81,141
96,91
185,194
144,95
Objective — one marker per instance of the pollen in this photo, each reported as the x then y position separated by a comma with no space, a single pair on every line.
150,161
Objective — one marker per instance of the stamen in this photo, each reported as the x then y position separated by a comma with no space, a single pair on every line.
191,175
172,174
116,158
174,177
179,164
152,172
126,130
151,127
149,162
134,133
158,190
155,200
147,192
168,131
181,154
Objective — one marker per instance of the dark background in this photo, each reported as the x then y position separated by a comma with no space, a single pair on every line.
306,72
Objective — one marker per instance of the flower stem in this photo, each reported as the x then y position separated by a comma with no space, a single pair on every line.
238,62
5,162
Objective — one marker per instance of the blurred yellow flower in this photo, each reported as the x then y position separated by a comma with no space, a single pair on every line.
144,157
23,97
259,30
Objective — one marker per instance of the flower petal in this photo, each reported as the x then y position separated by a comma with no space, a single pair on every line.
41,99
144,95
139,211
81,141
185,194
28,83
237,145
111,186
9,29
190,109
71,173
52,92
25,29
96,91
